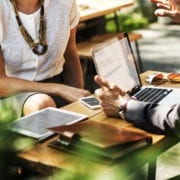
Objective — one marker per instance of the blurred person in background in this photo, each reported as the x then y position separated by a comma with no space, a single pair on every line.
169,8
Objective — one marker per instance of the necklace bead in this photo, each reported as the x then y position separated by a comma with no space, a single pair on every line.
39,48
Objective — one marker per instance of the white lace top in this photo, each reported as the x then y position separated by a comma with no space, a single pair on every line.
20,61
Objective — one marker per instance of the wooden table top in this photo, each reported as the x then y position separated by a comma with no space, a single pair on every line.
94,8
41,155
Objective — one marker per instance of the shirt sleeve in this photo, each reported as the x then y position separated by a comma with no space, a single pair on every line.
74,16
158,118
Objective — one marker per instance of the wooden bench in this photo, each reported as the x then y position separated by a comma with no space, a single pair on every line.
84,47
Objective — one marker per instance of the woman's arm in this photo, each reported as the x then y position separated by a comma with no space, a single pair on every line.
11,85
72,67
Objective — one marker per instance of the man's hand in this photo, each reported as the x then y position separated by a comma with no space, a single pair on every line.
110,96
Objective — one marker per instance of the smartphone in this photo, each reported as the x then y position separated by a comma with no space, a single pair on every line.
91,102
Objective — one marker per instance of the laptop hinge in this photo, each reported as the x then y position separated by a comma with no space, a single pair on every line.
134,90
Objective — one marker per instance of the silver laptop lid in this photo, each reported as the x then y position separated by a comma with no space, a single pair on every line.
114,60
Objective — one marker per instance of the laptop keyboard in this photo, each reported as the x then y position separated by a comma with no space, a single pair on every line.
152,94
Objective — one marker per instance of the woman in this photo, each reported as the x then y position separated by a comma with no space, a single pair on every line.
39,64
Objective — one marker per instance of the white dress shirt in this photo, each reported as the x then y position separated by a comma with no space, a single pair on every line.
60,15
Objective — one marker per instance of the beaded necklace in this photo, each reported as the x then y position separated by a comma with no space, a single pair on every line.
39,46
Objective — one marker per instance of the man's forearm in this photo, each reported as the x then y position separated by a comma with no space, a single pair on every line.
154,117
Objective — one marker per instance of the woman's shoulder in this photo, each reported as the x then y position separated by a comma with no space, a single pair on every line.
60,6
60,2
1,4
4,5
5,8
4,2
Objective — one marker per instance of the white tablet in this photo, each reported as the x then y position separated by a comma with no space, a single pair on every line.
36,125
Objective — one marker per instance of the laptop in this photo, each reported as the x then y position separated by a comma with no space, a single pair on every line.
114,60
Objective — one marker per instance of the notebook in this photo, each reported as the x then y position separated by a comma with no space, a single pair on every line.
98,141
36,125
115,61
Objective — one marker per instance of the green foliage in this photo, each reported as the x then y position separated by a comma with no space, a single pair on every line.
133,19
7,154
127,22
9,142
146,9
7,113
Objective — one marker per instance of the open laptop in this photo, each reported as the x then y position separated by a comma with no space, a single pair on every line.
114,60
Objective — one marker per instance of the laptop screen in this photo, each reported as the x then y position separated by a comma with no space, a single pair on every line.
114,60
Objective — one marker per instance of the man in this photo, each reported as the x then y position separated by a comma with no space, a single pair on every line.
152,117
164,119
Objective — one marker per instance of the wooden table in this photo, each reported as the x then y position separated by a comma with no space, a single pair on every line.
44,159
90,9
